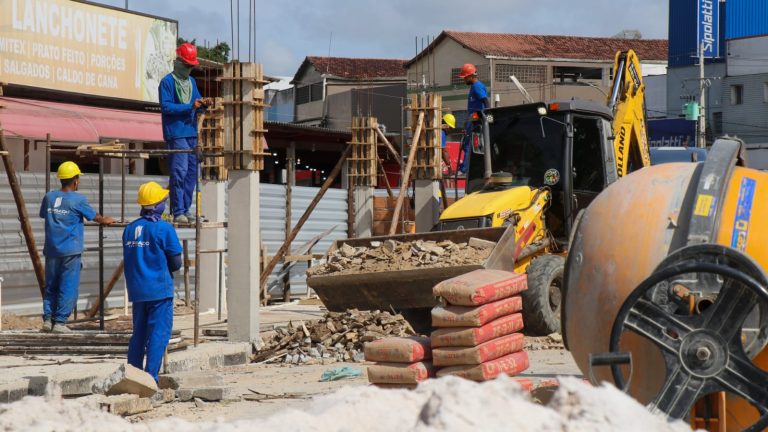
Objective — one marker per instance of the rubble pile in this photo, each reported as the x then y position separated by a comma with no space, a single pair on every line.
336,337
392,255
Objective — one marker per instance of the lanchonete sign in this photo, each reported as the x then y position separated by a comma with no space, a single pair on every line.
84,48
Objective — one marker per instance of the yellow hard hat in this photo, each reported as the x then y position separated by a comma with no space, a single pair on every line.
68,170
151,193
450,120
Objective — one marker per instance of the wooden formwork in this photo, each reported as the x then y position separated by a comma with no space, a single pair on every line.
428,163
361,164
244,140
210,138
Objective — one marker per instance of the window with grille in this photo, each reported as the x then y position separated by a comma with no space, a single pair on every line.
482,74
569,75
302,95
309,93
524,73
737,94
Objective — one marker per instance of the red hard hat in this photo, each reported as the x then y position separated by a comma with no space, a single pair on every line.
188,53
467,70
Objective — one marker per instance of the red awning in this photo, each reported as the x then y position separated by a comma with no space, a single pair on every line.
33,119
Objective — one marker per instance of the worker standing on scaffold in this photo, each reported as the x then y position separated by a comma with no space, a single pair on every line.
151,252
64,211
477,102
180,103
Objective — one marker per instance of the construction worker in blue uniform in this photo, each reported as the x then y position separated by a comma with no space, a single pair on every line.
180,103
151,252
477,102
64,211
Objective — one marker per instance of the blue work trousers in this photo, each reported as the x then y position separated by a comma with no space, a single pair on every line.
62,280
152,327
183,178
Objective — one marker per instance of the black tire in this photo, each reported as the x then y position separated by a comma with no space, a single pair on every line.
543,298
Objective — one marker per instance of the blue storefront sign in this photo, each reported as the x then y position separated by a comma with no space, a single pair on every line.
709,28
671,133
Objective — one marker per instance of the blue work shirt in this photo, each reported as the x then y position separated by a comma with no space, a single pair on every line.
444,139
476,98
147,245
64,213
178,118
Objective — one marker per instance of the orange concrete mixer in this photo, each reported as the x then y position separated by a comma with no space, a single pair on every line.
665,290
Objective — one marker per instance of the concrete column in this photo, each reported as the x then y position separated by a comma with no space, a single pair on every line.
243,271
427,204
212,202
363,211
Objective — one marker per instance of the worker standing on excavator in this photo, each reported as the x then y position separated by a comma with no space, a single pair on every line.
151,252
64,211
180,102
477,102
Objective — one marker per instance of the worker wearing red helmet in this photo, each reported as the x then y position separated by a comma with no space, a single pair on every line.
180,103
477,101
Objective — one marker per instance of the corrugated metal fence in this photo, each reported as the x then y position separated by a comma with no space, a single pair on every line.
20,292
330,212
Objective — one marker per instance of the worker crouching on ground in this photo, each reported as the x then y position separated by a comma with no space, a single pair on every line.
151,252
180,103
64,211
477,102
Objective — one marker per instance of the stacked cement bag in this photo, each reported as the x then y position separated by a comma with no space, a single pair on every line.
477,329
400,361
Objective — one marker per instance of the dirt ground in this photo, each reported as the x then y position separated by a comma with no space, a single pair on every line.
302,383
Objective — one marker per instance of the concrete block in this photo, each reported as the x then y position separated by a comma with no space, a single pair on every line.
210,394
209,356
128,379
126,404
163,396
191,380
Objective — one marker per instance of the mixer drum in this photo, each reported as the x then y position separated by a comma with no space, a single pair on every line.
632,226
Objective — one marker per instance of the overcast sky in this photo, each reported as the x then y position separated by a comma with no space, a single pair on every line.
289,30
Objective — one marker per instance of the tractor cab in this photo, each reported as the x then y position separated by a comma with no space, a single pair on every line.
561,147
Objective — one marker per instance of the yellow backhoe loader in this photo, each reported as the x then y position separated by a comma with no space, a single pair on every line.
531,169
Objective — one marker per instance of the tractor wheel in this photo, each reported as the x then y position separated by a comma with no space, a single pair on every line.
542,299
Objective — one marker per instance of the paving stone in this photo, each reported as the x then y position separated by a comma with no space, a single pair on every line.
126,404
191,380
210,394
129,379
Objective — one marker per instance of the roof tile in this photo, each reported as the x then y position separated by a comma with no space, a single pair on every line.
359,68
557,47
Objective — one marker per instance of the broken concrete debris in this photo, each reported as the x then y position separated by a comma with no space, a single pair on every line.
394,255
128,379
336,337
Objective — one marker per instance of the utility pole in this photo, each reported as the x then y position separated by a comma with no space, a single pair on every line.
702,101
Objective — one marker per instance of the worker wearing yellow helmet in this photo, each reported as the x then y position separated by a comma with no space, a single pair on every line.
151,253
449,121
64,211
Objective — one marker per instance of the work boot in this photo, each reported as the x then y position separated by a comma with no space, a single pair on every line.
47,326
60,328
181,219
190,217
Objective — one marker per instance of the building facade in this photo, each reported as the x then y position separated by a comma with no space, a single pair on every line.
329,91
548,67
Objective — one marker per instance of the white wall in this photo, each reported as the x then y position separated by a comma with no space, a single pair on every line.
748,56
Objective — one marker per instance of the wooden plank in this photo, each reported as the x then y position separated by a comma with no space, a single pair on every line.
289,238
90,313
407,173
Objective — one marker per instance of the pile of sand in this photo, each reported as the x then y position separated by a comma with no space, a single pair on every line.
446,404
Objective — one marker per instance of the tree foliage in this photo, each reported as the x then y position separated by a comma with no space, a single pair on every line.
218,53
